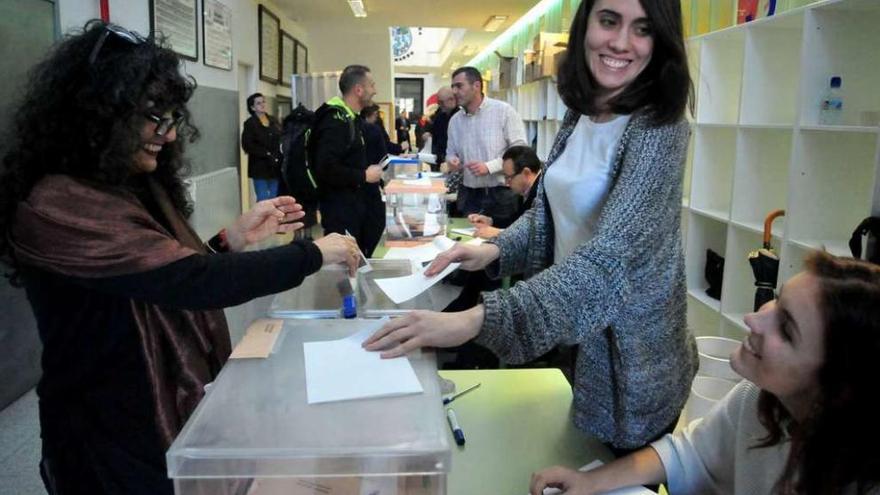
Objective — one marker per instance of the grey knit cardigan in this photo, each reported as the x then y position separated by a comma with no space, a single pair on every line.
620,296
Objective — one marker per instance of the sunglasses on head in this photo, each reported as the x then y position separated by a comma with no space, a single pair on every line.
119,32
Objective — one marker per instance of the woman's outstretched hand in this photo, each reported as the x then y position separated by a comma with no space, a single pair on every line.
425,329
267,217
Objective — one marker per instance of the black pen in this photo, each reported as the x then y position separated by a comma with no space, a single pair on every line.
447,400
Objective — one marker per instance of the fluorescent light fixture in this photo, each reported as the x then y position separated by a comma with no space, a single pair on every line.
358,8
539,9
494,22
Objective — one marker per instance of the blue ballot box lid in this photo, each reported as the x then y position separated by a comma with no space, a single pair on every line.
255,422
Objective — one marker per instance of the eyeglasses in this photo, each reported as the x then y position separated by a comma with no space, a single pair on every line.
165,124
508,178
122,33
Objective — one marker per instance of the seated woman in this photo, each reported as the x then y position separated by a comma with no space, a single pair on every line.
801,422
126,297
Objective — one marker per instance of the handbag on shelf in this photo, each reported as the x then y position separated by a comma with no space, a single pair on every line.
714,273
864,240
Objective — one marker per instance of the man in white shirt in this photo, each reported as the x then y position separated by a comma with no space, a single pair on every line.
478,137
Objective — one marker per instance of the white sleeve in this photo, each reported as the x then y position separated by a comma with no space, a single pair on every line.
701,458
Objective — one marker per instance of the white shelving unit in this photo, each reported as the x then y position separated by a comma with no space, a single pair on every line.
758,146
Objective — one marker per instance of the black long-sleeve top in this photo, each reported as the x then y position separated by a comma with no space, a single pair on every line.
94,383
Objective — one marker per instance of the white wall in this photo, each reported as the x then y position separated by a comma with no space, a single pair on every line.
135,15
331,49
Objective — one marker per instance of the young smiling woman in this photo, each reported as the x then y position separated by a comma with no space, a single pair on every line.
803,419
605,269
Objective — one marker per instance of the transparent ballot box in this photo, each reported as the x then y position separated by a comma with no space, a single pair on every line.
320,295
395,167
415,211
255,434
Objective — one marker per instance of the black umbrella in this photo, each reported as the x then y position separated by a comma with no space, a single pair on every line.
765,264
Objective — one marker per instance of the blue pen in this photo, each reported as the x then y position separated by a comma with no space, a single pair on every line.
456,429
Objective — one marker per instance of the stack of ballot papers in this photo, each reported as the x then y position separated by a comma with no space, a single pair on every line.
338,370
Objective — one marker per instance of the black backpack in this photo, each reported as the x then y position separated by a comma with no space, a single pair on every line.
295,171
296,167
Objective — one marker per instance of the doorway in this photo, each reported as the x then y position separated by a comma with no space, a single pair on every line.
247,85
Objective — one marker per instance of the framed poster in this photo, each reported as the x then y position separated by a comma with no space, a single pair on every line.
387,116
176,20
268,29
217,34
288,52
302,58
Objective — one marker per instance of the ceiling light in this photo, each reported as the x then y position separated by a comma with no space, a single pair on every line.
357,8
494,22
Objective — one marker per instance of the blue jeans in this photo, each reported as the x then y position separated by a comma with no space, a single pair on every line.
265,188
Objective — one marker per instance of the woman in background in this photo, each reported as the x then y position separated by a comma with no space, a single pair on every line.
261,140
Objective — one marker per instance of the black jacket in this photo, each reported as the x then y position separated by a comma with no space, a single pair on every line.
440,134
337,150
263,146
378,144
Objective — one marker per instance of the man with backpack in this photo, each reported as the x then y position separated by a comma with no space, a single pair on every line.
348,187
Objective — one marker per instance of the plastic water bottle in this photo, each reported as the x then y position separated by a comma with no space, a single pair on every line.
832,104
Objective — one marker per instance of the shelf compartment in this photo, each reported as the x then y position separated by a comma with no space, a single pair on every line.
843,42
703,233
701,319
711,182
832,184
761,177
771,70
721,63
738,291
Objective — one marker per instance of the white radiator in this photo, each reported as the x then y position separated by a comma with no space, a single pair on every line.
216,201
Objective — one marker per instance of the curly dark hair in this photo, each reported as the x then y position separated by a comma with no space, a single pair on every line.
837,444
82,114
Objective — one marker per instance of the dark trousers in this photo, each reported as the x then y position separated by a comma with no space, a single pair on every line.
361,213
498,202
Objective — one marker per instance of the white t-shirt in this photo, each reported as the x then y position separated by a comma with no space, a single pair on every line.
577,183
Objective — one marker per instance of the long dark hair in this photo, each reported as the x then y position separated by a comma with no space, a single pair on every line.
837,444
664,88
82,114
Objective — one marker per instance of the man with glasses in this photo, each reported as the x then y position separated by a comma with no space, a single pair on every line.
522,169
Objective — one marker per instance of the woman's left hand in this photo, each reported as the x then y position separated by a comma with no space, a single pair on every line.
268,217
487,232
426,329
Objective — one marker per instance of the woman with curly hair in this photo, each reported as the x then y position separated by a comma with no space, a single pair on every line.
803,421
126,297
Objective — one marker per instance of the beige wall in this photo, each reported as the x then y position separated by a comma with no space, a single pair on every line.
331,49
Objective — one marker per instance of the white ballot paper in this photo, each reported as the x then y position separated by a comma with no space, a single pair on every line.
420,254
631,490
469,231
400,289
341,369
